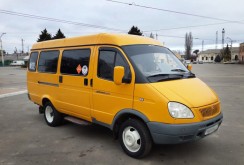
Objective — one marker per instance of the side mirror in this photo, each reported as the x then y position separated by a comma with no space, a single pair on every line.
189,67
119,72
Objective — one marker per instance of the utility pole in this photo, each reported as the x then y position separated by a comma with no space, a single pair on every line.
22,43
16,51
2,48
202,45
216,42
231,42
223,38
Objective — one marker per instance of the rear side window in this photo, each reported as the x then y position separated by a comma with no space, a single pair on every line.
32,61
48,61
107,61
75,62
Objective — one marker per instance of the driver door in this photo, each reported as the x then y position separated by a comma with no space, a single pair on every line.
107,97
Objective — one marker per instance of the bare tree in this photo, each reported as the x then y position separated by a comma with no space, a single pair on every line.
188,45
151,36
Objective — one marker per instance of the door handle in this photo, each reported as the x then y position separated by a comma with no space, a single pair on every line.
85,81
103,92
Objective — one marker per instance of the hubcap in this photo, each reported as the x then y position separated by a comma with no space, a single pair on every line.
49,114
131,139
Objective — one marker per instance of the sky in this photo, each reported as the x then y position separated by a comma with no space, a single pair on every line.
119,18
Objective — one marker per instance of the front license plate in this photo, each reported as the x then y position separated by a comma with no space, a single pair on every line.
211,129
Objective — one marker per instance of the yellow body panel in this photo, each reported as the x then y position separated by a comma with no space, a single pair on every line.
191,92
151,103
98,39
104,99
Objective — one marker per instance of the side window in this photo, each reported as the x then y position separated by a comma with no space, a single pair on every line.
32,61
120,61
107,61
48,61
75,62
106,64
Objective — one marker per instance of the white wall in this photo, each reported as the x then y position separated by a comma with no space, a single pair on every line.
210,57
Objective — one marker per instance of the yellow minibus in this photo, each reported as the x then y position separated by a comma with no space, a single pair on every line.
131,84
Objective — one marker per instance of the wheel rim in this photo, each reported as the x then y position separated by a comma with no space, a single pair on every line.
131,139
49,114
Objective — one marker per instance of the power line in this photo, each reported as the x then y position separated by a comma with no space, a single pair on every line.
173,11
169,36
184,27
195,38
57,20
93,26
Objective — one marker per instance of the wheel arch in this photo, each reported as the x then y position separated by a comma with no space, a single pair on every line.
46,99
123,115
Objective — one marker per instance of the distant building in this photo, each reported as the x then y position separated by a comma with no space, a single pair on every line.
183,56
15,56
178,54
235,51
210,54
241,53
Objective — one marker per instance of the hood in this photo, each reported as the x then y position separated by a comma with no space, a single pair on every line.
191,92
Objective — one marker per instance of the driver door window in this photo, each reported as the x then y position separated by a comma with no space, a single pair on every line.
107,61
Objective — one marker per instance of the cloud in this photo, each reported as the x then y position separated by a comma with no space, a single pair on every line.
119,16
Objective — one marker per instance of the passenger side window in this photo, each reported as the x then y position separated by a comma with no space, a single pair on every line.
107,61
48,61
75,62
32,61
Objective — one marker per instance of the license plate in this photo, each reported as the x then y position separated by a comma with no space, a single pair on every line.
211,129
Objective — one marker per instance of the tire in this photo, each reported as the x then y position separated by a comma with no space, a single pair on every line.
135,138
52,117
41,110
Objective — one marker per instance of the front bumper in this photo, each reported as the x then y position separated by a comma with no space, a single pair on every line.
181,133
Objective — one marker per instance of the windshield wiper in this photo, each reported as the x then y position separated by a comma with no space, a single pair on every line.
186,75
178,70
164,77
190,75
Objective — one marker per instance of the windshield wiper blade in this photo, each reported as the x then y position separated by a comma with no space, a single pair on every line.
190,75
163,77
157,75
178,70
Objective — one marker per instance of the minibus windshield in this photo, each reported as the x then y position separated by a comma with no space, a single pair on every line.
156,63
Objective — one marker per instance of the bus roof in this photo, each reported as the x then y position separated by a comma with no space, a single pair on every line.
97,39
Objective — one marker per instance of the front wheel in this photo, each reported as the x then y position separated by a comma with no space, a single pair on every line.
135,138
52,116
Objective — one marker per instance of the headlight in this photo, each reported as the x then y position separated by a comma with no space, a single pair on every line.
178,110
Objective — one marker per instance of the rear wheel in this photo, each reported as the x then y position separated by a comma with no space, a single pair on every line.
135,138
52,116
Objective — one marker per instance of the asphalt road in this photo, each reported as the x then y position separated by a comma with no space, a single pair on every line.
12,79
26,139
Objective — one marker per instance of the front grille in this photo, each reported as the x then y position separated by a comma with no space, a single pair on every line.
210,110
